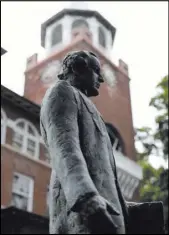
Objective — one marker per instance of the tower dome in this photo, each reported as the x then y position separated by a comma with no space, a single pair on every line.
75,22
79,5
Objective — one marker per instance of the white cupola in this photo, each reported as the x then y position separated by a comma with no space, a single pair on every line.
63,28
79,5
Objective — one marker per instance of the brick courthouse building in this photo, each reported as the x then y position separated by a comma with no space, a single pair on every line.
25,165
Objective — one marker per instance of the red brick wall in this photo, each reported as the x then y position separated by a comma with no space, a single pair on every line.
116,109
11,162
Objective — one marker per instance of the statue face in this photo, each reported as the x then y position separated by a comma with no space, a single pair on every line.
93,77
86,69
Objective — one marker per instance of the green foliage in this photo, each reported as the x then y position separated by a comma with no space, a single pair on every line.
160,102
154,186
146,135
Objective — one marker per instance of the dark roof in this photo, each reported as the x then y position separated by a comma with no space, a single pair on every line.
3,51
86,13
21,219
28,215
20,101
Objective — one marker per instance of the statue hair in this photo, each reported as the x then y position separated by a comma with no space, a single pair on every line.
70,59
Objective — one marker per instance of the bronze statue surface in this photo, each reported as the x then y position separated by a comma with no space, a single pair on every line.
85,196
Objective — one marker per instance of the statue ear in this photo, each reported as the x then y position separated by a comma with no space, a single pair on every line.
60,76
79,65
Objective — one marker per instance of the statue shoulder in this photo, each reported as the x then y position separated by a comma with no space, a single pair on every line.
60,96
61,89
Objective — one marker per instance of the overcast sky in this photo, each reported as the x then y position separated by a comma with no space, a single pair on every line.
141,41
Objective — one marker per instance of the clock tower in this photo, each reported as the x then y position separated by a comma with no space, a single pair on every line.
78,28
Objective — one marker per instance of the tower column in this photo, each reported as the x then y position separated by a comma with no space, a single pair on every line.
94,27
67,22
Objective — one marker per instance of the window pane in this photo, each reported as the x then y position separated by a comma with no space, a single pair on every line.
102,39
56,35
80,23
31,145
21,125
20,202
17,140
31,131
21,184
47,156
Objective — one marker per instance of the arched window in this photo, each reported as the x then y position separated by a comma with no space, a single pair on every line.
3,126
56,36
80,26
26,138
115,138
102,38
80,23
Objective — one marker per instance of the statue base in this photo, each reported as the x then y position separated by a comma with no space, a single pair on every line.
146,218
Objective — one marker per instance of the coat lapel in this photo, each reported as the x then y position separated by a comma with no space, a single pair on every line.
92,110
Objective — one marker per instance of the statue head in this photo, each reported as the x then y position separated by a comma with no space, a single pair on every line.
83,70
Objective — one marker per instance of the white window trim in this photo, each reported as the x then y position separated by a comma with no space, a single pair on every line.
128,183
37,138
115,143
27,136
31,191
4,126
127,165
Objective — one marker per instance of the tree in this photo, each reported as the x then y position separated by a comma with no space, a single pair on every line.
160,102
156,141
154,186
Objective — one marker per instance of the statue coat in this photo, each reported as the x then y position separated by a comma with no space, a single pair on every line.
82,158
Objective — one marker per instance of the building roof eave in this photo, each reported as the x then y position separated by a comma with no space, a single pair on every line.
20,101
3,51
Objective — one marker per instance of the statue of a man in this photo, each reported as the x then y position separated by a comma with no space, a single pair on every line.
85,197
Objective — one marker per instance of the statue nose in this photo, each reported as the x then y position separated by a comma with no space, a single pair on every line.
101,79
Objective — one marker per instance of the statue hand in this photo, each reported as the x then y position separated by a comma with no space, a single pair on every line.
100,217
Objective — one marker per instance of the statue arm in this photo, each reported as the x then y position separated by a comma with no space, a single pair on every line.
64,147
